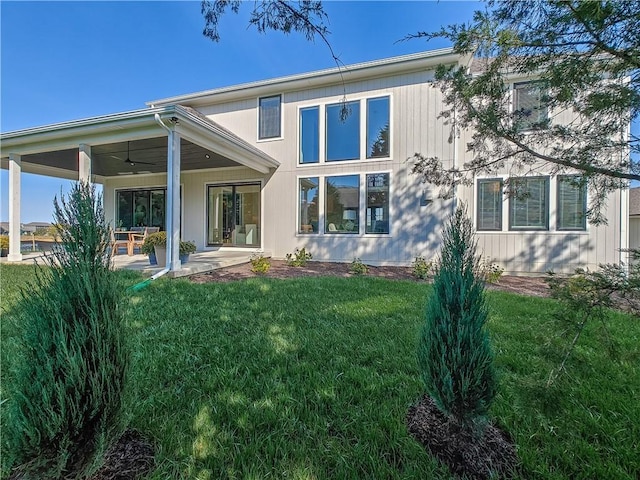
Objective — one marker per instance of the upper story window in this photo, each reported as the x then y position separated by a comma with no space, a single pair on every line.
529,109
572,203
529,204
378,127
269,117
343,131
310,135
490,204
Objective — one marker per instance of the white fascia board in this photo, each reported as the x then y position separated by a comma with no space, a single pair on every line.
132,125
347,74
42,170
218,140
139,124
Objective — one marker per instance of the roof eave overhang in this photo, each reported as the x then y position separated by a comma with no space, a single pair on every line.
105,129
212,137
135,125
333,76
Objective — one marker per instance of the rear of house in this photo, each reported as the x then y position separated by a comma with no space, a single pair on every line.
320,161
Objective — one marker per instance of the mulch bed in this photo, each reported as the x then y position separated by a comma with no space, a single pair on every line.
130,458
533,286
491,454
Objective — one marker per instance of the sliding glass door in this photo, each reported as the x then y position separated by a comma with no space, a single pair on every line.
233,215
140,208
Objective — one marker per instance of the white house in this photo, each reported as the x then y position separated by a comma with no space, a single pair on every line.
274,165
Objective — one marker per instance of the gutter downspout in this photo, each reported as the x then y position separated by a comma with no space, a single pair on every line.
169,242
166,269
144,283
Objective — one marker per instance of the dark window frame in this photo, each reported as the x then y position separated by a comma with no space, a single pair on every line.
262,118
341,223
305,230
327,119
368,154
513,198
525,124
500,214
583,227
386,222
235,212
149,207
318,140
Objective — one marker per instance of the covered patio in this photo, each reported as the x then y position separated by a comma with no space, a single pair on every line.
167,140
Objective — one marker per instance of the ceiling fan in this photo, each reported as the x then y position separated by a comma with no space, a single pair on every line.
128,161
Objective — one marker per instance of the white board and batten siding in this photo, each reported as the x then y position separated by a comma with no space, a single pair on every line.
415,229
541,251
415,226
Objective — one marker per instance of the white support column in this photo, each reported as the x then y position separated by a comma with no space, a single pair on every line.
84,163
173,201
15,168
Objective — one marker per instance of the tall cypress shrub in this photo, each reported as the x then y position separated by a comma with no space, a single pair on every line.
65,398
454,352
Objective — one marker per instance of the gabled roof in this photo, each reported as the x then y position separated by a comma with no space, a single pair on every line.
349,73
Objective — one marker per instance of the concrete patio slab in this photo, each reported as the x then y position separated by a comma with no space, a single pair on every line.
199,262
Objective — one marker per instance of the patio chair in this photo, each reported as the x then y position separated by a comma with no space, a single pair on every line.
117,243
137,239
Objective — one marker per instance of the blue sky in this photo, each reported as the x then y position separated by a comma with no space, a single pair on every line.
69,60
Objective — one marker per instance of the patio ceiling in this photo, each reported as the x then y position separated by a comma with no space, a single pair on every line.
148,155
53,149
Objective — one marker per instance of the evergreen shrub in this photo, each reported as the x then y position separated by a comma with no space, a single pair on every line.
66,390
454,353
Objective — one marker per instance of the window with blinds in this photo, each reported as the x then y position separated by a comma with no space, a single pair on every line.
489,208
529,203
269,117
529,109
572,203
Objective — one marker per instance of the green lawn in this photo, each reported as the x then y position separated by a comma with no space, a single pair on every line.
311,379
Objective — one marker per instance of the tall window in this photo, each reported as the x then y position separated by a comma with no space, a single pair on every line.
343,131
489,204
342,204
378,127
309,135
529,203
269,117
377,203
572,203
528,105
308,205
